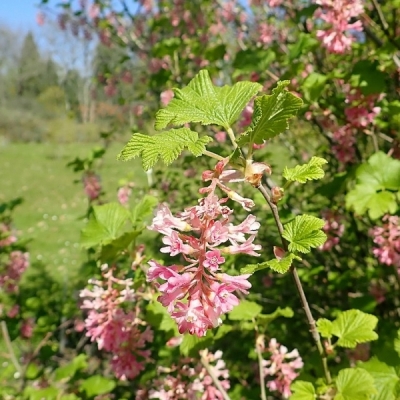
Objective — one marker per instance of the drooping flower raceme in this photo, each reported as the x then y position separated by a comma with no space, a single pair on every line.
333,229
281,366
189,380
197,293
114,329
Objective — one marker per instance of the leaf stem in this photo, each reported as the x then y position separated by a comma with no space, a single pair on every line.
299,287
260,367
213,155
216,381
232,137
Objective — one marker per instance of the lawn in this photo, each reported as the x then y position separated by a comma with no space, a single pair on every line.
51,215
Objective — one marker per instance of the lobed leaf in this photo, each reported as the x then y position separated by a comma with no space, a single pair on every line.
378,180
281,266
104,224
385,378
167,146
271,115
354,384
303,391
205,103
303,173
304,232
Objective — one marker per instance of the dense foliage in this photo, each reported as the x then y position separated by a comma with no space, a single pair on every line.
269,131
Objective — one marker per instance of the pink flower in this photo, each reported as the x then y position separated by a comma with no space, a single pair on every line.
189,379
220,137
27,327
116,329
281,366
337,14
197,294
123,194
92,186
387,239
333,228
15,267
166,96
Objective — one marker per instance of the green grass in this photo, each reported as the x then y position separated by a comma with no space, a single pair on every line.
51,214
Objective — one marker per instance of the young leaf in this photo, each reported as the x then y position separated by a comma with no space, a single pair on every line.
385,378
306,172
353,327
207,104
354,384
304,232
286,312
246,310
280,266
271,115
324,327
303,391
167,146
104,224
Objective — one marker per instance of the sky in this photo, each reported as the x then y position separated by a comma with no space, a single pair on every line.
19,14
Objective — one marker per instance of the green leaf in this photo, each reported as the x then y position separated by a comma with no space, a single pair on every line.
69,370
303,173
252,59
304,232
110,251
246,310
49,393
354,384
313,86
368,77
378,181
325,327
167,145
385,378
286,312
280,266
144,208
271,115
158,316
205,103
192,344
104,224
222,331
302,391
353,327
96,385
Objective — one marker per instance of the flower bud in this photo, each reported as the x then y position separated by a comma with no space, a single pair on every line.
277,194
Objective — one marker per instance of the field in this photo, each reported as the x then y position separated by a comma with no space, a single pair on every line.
52,213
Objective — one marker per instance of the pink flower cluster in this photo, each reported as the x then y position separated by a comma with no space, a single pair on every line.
16,266
333,228
281,366
387,239
92,186
197,293
189,380
360,113
113,328
338,13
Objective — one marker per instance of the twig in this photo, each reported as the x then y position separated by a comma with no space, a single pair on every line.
216,381
260,367
10,349
299,286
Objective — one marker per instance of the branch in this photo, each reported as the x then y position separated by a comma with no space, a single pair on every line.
10,349
299,287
